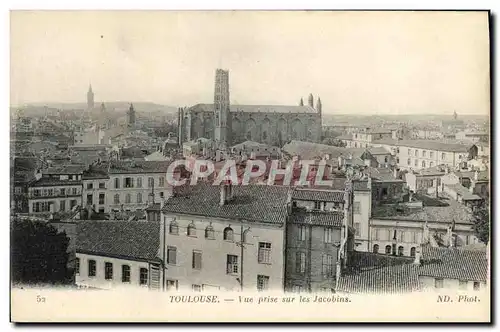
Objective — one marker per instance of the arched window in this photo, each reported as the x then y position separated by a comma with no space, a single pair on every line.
191,231
127,198
375,248
431,164
174,227
412,251
117,199
388,249
228,234
209,232
139,197
246,236
400,251
423,163
409,161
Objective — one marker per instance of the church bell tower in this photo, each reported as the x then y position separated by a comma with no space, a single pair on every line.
90,98
222,118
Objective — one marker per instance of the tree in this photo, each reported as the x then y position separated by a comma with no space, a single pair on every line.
38,254
334,142
481,220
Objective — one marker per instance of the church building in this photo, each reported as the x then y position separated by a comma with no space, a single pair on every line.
228,124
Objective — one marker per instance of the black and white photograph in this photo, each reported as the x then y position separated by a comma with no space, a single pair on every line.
290,165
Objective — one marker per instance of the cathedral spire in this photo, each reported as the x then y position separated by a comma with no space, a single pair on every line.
301,102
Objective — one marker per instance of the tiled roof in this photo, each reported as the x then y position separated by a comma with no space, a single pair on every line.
318,195
482,176
66,169
360,185
426,145
138,166
376,273
318,218
454,263
308,150
260,203
127,239
464,192
256,108
442,210
49,181
378,151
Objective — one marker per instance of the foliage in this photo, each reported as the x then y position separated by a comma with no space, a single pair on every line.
481,220
334,142
38,253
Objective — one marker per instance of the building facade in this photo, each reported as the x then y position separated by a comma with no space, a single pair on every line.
232,124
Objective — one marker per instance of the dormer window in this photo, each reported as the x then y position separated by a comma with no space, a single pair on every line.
191,230
210,232
228,234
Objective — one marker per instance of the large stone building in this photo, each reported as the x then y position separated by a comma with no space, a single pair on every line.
231,124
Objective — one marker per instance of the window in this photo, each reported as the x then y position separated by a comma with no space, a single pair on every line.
191,230
416,162
424,153
409,161
89,199
462,284
416,153
386,159
302,233
151,182
128,183
356,207
431,164
196,260
228,234
89,186
62,206
102,185
264,256
246,236
125,273
388,249
74,191
92,268
328,237
127,198
375,248
232,264
117,183
357,228
412,251
108,271
438,283
101,198
174,228
477,285
443,156
409,152
117,199
77,266
262,283
317,205
196,288
209,232
143,276
62,191
431,154
297,289
401,250
327,265
171,255
139,182
162,181
172,285
300,262
423,163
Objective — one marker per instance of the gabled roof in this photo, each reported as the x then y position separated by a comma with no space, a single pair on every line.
454,263
317,218
318,195
124,239
256,108
138,166
259,203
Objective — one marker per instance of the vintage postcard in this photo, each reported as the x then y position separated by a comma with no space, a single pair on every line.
250,166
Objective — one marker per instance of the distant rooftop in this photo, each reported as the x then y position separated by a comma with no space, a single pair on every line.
426,145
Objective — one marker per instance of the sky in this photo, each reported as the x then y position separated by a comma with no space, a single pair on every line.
357,62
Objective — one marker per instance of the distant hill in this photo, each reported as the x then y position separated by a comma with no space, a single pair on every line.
145,107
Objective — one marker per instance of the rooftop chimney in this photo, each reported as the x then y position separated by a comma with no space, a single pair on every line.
476,175
226,191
